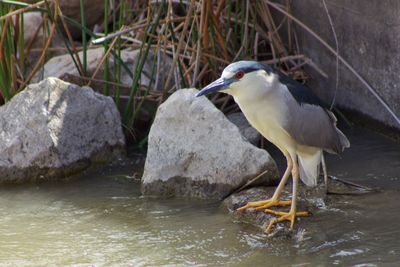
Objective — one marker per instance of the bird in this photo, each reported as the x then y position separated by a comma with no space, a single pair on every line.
292,118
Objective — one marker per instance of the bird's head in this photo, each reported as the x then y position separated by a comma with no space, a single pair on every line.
242,78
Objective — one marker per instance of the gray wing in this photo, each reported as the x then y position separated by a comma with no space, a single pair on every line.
312,125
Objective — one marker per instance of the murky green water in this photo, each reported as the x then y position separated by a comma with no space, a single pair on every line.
102,220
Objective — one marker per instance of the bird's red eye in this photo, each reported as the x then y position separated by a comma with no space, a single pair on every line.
239,75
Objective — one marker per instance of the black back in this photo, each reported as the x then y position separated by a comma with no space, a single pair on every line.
300,92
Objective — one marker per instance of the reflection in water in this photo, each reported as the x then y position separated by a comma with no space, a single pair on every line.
105,222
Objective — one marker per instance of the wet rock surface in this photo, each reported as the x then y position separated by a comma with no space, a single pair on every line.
55,129
313,200
307,201
193,150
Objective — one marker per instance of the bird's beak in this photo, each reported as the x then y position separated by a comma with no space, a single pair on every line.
215,86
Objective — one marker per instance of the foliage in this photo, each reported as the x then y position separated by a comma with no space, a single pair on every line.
201,37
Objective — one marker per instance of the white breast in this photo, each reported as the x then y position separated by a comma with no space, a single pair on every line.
266,119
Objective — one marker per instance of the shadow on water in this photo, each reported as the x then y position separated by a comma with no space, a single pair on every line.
103,220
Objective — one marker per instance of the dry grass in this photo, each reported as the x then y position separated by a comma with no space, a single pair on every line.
201,38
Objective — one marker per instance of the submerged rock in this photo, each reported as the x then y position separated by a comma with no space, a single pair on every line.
308,200
194,150
311,199
54,129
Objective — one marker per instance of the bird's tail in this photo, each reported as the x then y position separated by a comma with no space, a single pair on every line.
309,166
344,142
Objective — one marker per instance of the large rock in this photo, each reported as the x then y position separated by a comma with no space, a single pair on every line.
61,65
54,129
369,39
195,151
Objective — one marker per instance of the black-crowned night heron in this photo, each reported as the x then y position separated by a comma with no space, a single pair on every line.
287,114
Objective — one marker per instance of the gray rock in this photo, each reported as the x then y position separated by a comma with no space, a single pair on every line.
61,65
163,65
54,129
195,151
374,53
245,128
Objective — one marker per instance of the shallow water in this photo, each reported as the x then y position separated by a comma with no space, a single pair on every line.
102,220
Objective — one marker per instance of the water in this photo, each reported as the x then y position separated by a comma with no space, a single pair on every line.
101,220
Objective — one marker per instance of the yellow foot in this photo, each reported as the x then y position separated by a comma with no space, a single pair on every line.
284,216
265,204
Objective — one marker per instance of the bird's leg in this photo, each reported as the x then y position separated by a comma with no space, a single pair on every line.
274,200
325,172
292,214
